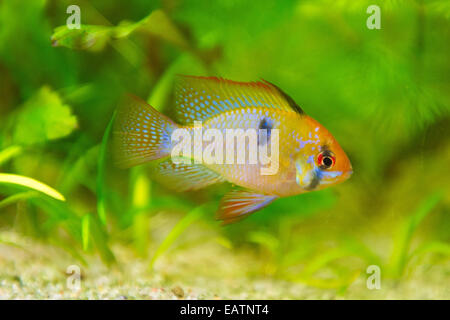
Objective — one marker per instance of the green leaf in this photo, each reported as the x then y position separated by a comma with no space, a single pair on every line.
44,117
94,37
85,231
319,262
265,240
101,172
100,240
17,197
9,153
88,37
29,183
400,252
141,196
434,247
179,228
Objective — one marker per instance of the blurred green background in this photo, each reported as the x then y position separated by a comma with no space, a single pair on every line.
384,94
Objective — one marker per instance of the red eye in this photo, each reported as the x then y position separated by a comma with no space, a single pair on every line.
326,160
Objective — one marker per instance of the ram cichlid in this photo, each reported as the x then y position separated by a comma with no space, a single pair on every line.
285,152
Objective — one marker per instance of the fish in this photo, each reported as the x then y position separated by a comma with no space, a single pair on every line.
308,157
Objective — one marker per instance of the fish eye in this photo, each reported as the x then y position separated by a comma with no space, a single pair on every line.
326,160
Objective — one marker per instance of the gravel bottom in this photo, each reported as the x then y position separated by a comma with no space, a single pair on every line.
30,270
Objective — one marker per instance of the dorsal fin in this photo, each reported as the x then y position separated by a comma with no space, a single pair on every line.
199,98
288,99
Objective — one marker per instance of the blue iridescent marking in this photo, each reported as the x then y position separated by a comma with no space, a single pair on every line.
318,173
331,174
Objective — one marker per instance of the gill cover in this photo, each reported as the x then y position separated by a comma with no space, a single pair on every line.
307,174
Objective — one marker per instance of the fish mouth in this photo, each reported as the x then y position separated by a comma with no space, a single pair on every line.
348,174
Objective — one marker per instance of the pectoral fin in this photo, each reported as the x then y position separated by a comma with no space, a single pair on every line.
238,204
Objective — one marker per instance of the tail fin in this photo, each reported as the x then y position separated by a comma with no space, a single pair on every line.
140,133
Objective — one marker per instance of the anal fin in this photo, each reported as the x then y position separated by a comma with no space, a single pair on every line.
238,204
184,177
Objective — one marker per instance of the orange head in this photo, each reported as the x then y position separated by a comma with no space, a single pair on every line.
322,162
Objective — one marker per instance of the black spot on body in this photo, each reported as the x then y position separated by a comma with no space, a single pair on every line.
266,125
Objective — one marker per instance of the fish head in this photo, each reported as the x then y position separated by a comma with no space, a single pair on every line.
321,162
